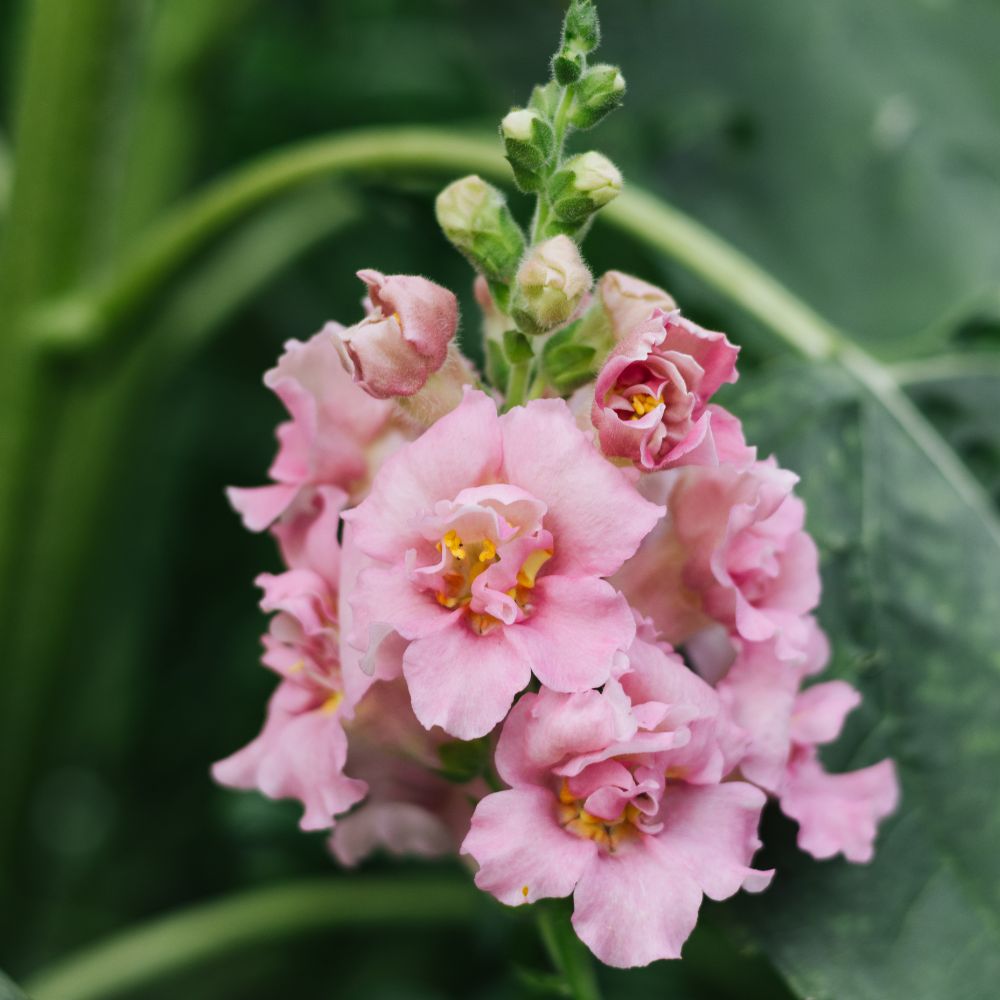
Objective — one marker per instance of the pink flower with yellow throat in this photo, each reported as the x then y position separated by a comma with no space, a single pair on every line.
490,537
651,397
616,798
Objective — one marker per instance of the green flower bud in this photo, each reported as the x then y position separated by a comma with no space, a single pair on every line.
529,141
600,90
475,217
581,34
584,184
550,284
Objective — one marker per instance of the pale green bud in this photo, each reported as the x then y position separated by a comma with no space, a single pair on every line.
529,141
550,284
585,183
475,217
599,92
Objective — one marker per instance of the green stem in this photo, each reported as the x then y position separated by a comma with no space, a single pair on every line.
944,367
568,953
517,383
560,124
139,957
98,313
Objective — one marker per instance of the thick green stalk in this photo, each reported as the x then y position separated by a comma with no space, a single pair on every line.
51,240
167,946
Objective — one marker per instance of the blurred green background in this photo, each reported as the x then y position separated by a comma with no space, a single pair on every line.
850,148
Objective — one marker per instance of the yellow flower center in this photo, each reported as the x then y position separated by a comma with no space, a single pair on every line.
643,404
471,560
608,833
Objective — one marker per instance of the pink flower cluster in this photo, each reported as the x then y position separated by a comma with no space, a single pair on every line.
617,606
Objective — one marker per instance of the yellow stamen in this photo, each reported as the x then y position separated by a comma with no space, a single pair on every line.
454,544
643,404
608,833
524,891
489,551
297,668
445,601
332,703
529,569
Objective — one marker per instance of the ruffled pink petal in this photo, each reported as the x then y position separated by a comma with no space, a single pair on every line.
819,712
712,830
759,692
712,350
596,517
401,828
307,535
838,813
385,662
260,506
522,852
572,636
462,449
386,600
299,754
637,905
464,682
545,728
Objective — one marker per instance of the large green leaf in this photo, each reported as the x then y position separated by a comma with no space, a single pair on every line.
912,579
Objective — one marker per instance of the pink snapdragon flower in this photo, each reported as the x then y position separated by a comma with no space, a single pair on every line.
490,537
617,801
650,400
404,338
732,550
334,428
836,813
302,749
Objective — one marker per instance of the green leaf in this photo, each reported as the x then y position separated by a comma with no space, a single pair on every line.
9,989
517,347
959,393
497,368
911,574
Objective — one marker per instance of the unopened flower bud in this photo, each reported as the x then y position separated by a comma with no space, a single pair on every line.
581,34
600,90
550,284
584,184
629,301
404,339
475,217
529,141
